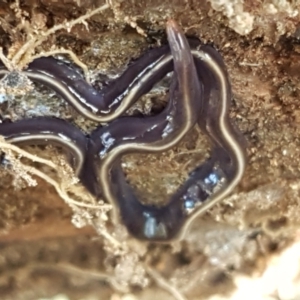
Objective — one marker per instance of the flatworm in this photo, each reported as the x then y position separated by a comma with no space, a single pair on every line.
112,100
200,93
47,130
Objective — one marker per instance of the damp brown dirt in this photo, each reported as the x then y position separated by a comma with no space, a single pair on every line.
43,255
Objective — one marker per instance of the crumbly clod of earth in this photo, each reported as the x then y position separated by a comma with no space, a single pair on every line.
43,255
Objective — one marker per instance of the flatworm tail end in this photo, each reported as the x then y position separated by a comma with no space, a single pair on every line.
179,45
186,90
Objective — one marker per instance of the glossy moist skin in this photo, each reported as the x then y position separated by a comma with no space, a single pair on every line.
200,91
47,130
100,106
200,94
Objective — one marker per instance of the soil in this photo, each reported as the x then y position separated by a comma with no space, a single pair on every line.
42,254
